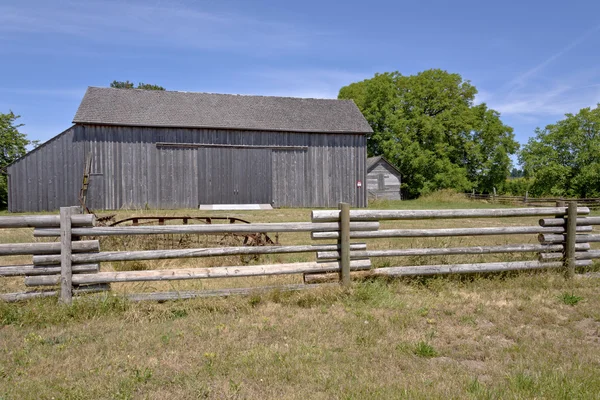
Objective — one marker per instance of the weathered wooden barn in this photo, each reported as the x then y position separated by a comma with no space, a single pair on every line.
165,149
383,179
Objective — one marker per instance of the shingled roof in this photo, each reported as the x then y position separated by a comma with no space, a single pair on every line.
157,108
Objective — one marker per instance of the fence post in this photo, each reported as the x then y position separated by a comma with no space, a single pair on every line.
344,244
66,272
570,240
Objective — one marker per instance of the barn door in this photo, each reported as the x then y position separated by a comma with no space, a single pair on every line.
234,176
289,178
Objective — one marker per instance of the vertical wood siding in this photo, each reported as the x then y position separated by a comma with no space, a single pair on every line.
383,182
130,171
49,177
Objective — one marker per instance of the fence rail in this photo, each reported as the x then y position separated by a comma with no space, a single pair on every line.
564,234
532,201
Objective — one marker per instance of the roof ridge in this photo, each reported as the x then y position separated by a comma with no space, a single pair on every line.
224,94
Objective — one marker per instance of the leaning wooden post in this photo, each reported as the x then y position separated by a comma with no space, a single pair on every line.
66,272
344,244
570,240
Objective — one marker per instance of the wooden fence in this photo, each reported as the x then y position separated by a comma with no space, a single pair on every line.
592,203
564,237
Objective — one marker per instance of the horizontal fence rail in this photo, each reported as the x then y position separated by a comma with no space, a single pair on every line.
407,233
561,222
21,296
199,273
550,238
16,249
469,268
44,221
207,229
515,248
186,253
30,270
373,215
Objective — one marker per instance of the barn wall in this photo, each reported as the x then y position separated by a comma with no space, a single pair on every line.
383,182
129,170
48,177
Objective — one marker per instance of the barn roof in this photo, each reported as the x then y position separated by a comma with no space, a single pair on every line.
157,108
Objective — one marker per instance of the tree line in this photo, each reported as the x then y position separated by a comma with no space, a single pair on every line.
430,128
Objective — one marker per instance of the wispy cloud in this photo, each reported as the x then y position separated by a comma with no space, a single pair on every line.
543,92
523,78
144,24
309,83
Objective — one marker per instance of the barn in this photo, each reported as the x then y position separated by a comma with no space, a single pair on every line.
168,150
383,179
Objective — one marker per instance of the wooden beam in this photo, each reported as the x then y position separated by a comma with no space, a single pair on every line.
208,229
229,146
469,268
374,215
387,233
570,240
66,271
550,238
510,248
20,296
561,221
33,270
110,256
199,273
44,221
14,249
166,296
344,244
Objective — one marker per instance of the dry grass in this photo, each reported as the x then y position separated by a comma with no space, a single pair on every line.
529,335
484,338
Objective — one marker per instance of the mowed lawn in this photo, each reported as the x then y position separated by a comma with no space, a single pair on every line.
525,335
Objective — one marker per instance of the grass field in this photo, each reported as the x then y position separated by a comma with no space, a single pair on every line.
527,335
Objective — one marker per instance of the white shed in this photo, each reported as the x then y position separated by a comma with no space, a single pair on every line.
383,179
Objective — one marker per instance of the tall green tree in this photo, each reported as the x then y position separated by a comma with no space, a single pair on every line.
563,159
428,126
129,85
13,144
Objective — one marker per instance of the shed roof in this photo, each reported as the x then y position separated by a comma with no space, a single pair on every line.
157,108
372,161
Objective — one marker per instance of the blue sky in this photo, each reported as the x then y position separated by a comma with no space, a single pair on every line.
531,60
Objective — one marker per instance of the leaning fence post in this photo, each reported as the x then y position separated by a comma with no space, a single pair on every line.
344,244
570,240
66,272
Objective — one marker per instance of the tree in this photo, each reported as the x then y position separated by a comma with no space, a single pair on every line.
129,85
13,145
563,159
516,173
428,126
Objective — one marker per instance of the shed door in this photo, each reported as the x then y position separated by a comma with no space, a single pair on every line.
234,176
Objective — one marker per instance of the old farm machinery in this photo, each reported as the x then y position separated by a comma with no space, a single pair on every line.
182,241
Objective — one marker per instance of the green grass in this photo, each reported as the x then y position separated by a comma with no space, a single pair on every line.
570,299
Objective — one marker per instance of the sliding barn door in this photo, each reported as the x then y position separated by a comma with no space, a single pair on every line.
234,175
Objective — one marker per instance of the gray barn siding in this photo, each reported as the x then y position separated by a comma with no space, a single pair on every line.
383,182
130,171
49,177
171,177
